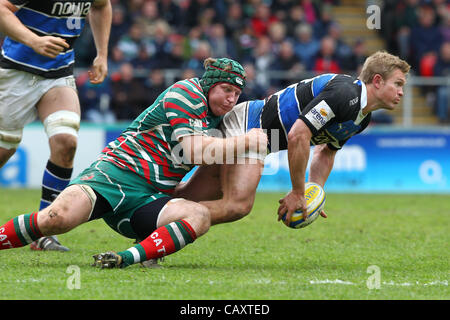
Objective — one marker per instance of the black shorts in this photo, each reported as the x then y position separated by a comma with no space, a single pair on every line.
144,219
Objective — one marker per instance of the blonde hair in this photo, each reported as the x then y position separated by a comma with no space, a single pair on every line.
382,63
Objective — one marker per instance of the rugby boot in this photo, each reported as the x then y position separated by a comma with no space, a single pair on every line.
48,244
107,260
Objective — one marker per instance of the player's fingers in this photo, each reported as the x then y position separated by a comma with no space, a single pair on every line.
60,42
323,214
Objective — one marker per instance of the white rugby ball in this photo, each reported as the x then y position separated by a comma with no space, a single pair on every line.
315,201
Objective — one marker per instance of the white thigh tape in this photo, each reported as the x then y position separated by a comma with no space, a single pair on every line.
62,122
10,139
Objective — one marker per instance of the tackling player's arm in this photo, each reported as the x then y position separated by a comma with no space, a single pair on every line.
298,154
205,150
100,17
11,26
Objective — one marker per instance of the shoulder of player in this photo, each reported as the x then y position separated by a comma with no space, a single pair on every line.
187,93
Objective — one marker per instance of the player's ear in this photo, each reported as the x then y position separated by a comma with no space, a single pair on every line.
377,80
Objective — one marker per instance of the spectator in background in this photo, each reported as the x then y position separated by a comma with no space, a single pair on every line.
131,42
310,10
253,90
143,61
326,61
197,10
115,60
405,19
288,62
119,25
359,55
235,21
148,17
281,9
322,25
262,19
306,47
175,58
295,17
277,35
425,37
442,69
221,45
343,51
263,58
158,43
155,85
247,43
195,63
170,12
128,97
95,99
445,26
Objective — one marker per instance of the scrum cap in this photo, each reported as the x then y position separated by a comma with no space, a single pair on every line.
222,70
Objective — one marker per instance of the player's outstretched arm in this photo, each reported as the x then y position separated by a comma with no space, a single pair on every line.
321,164
100,17
206,150
10,25
298,155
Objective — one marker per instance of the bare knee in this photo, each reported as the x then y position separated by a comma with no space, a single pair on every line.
201,218
238,209
52,220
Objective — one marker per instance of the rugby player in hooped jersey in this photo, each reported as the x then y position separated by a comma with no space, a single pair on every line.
131,184
324,111
36,80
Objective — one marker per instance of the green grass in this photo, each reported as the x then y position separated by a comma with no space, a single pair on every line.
405,236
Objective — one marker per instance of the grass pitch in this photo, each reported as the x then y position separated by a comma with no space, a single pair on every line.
370,247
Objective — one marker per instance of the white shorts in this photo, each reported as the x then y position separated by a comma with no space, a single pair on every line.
234,123
19,93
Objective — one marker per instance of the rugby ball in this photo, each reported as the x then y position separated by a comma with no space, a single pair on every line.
315,200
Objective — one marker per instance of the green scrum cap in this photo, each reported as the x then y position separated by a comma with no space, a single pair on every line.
222,70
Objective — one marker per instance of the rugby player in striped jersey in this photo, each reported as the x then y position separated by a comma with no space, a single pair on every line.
325,111
36,80
131,184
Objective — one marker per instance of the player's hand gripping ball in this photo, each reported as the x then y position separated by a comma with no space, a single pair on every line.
315,200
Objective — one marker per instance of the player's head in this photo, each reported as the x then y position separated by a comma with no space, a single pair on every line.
382,63
386,75
222,70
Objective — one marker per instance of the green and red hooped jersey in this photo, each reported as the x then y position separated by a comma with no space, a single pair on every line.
145,147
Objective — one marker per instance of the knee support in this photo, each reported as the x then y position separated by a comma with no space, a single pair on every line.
63,121
10,139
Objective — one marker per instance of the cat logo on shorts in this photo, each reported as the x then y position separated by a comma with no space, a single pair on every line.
86,177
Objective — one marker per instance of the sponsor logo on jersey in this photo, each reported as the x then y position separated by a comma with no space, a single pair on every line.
70,8
320,115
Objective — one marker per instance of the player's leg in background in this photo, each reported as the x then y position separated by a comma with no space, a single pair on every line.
172,224
5,154
70,209
239,183
59,111
204,184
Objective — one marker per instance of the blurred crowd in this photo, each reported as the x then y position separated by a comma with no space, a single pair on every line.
419,31
277,42
156,42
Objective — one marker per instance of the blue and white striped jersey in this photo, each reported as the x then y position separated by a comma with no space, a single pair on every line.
62,18
329,104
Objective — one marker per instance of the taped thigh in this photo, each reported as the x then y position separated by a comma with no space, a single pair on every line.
10,139
62,121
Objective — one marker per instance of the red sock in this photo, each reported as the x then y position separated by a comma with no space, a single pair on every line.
19,232
162,242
